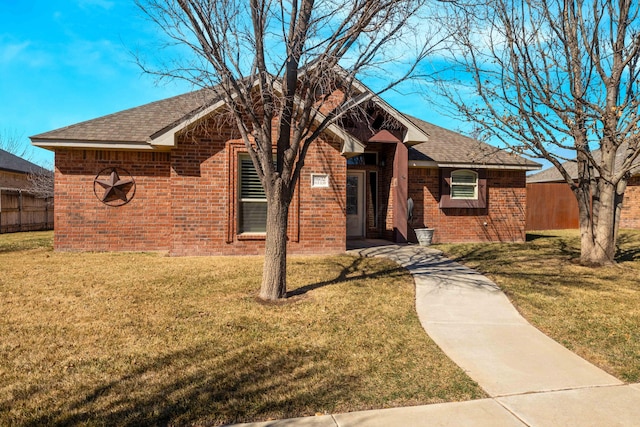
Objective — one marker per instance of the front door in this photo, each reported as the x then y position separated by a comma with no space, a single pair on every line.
355,204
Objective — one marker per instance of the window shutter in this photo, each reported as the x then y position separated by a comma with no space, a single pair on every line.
251,187
447,187
252,216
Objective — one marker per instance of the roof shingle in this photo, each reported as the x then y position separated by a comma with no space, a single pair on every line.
141,124
553,175
13,163
446,146
135,124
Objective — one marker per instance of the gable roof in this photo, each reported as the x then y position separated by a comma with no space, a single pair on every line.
12,163
153,127
150,126
134,128
552,174
446,148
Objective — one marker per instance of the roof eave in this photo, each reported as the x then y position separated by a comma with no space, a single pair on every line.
414,134
53,144
167,137
436,164
502,166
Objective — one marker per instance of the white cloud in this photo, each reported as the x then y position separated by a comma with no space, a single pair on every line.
11,51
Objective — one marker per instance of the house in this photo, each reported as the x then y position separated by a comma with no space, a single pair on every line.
553,206
167,176
23,205
15,171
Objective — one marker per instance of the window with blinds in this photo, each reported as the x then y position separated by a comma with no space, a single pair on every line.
464,185
252,215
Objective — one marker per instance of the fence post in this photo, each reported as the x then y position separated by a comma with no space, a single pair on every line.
20,209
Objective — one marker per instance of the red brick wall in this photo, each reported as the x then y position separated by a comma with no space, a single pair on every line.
84,223
185,201
630,216
204,202
502,220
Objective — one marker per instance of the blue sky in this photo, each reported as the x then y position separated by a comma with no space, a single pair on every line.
66,61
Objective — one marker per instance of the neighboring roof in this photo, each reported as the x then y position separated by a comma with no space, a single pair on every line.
13,163
553,175
446,148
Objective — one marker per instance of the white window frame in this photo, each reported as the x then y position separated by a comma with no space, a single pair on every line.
474,184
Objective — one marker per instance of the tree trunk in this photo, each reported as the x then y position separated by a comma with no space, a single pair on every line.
598,232
274,273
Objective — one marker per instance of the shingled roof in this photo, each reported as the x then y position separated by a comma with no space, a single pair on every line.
12,163
553,175
135,125
448,148
152,126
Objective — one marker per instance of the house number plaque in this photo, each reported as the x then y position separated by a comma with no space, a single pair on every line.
114,186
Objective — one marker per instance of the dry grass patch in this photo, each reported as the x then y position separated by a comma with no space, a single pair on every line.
134,338
592,311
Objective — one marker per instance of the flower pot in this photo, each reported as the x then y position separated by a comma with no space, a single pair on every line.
424,235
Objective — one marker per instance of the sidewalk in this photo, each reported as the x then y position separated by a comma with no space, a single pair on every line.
531,379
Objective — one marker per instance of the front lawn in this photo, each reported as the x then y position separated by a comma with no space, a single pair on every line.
593,311
139,339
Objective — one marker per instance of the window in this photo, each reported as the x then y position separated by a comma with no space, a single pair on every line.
463,188
372,200
252,215
365,159
464,185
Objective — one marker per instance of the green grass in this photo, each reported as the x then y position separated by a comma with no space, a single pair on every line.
592,311
139,339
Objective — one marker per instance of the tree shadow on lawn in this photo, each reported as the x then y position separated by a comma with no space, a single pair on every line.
544,268
628,247
349,274
196,385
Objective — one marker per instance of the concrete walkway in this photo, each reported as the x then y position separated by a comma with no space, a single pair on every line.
532,380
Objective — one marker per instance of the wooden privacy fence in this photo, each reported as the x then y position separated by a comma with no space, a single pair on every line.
551,206
22,211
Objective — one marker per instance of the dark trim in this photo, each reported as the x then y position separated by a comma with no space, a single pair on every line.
445,191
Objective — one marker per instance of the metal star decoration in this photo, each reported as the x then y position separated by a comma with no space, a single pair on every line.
116,189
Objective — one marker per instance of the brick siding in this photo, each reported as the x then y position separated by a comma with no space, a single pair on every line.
503,220
185,201
84,223
630,215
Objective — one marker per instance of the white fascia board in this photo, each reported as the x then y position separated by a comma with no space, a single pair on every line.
95,145
350,145
485,166
414,134
167,139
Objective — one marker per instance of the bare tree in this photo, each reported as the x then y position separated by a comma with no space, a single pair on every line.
557,79
12,142
41,183
290,66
